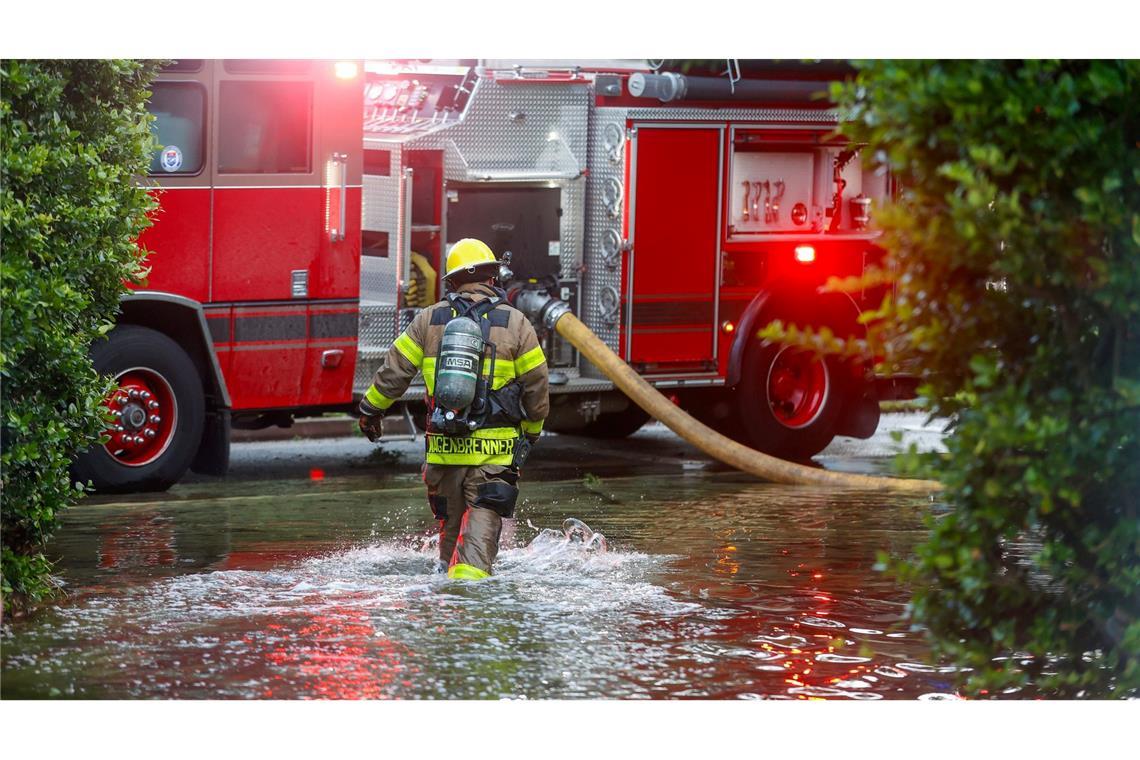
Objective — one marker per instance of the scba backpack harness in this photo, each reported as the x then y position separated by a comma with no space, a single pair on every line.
464,399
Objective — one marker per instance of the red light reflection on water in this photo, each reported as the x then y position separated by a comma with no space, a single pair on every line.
145,540
338,655
726,563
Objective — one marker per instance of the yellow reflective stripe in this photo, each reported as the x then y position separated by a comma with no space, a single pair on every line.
498,433
502,368
485,446
531,427
466,572
377,399
411,350
528,361
504,373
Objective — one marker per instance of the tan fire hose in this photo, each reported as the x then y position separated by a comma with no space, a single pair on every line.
705,438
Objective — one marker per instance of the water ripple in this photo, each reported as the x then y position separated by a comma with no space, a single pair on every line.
692,588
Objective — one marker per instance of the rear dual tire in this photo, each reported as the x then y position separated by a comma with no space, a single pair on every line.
161,410
789,400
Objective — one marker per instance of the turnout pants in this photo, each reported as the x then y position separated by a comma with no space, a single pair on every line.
470,504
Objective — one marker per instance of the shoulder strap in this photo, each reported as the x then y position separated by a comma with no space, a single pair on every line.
479,311
476,310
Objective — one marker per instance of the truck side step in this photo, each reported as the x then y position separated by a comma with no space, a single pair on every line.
401,426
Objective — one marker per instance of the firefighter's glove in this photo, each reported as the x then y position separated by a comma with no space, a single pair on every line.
372,425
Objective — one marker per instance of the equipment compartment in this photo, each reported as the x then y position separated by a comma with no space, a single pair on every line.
522,220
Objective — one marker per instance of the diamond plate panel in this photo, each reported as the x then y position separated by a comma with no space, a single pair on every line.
377,331
377,325
572,227
607,165
378,276
367,362
549,142
382,194
519,128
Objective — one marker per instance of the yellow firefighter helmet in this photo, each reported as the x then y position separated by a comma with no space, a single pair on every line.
469,254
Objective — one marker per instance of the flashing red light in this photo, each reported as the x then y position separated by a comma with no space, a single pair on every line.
805,254
346,70
316,474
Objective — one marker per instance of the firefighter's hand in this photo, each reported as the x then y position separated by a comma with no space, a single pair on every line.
532,438
372,425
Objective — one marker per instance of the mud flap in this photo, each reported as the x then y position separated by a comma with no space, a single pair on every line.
860,416
213,457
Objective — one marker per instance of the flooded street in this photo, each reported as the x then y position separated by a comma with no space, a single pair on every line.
688,582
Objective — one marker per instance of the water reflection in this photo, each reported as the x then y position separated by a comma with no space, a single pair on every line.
696,586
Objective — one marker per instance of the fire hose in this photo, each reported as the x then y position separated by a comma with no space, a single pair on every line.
556,315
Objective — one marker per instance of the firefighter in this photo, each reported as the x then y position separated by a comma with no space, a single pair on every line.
474,455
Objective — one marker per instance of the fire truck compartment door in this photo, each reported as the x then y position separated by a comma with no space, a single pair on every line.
672,279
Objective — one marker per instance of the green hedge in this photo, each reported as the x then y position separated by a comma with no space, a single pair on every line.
75,135
1016,236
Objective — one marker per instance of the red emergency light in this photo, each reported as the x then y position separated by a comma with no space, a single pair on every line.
805,254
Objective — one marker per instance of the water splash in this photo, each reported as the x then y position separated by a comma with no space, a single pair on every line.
575,546
571,612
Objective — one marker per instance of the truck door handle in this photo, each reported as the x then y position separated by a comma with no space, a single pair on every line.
336,181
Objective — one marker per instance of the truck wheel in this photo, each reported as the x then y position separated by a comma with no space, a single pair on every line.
789,400
615,425
159,410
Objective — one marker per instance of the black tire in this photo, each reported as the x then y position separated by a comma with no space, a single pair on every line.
764,430
616,425
129,347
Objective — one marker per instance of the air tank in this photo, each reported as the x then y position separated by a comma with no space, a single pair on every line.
460,356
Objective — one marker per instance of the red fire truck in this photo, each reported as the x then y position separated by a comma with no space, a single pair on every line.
306,207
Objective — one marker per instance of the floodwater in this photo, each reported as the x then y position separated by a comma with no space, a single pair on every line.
680,586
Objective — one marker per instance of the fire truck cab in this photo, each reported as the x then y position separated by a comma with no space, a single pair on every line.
307,208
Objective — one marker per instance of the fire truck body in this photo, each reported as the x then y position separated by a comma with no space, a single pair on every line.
243,230
296,239
677,228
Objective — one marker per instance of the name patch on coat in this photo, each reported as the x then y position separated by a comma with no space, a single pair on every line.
488,447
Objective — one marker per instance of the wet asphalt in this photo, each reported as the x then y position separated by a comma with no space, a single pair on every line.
652,450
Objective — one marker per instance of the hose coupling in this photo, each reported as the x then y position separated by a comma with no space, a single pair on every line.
539,306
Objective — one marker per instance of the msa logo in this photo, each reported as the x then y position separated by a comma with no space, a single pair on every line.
462,363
